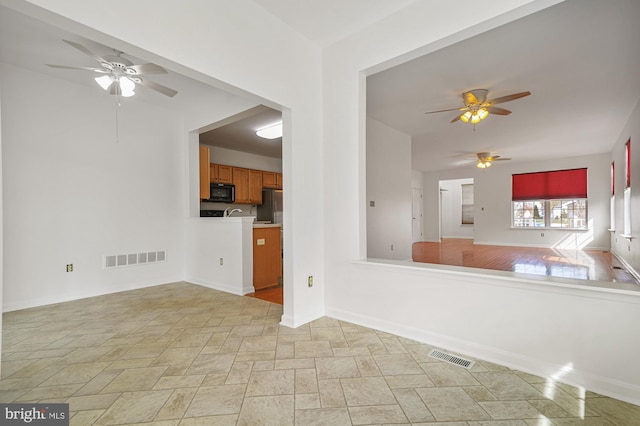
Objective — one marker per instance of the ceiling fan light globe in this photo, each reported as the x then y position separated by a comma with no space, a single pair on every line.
466,116
104,81
483,113
127,86
475,118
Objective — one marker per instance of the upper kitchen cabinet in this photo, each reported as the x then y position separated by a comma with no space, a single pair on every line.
205,173
271,180
221,173
248,185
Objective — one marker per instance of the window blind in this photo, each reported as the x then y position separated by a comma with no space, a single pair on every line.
552,185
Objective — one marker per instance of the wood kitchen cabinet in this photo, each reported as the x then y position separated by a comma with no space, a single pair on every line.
205,173
248,184
271,180
221,173
267,257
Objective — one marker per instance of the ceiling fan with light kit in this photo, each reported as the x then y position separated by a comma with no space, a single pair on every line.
119,76
482,160
477,107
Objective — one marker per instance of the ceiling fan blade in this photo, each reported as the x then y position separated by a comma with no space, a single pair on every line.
469,98
507,98
501,158
446,110
457,117
158,87
86,51
101,70
498,111
146,69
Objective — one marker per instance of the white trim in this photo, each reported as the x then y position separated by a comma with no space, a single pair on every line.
623,391
627,266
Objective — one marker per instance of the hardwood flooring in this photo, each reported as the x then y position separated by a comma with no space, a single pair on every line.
271,294
580,264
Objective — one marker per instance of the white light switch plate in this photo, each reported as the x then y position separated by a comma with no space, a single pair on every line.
260,241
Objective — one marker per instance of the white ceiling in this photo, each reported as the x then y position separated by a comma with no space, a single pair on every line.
580,60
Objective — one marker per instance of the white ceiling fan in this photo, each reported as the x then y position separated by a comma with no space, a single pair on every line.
119,76
483,159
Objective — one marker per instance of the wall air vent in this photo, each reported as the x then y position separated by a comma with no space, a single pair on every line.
131,259
451,359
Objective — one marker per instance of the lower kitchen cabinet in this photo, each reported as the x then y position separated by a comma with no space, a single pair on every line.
267,257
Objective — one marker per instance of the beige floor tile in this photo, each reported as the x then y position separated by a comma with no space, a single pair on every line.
451,404
413,406
442,374
313,349
378,414
135,379
510,409
176,405
397,364
216,400
507,385
211,364
276,382
331,395
134,407
76,373
267,410
367,391
178,382
336,368
180,354
306,381
323,417
306,401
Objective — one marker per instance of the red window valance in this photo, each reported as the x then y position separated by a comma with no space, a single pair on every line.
554,185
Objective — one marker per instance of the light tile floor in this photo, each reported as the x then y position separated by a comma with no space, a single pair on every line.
181,354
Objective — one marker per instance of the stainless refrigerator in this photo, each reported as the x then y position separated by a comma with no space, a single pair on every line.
271,208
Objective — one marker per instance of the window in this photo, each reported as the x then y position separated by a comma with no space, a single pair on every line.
555,199
627,188
612,206
467,204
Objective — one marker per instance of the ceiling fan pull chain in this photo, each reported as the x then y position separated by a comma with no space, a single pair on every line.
117,124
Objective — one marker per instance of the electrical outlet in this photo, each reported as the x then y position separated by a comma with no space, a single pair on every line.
310,281
221,261
70,267
542,234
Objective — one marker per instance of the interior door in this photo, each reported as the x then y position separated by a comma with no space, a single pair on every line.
416,215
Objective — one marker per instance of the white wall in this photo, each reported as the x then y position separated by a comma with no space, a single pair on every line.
627,250
451,206
492,192
492,316
73,193
389,187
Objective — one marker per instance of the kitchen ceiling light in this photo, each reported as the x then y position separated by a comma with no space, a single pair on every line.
271,132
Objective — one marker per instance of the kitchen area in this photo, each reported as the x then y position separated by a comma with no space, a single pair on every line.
241,192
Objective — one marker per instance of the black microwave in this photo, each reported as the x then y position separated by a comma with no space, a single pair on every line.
222,193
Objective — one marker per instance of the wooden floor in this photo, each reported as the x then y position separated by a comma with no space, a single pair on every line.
271,294
580,264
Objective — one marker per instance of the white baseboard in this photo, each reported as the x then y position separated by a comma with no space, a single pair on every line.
623,391
214,285
295,321
35,303
626,265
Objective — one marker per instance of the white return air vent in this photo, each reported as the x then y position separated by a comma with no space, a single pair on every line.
451,359
131,259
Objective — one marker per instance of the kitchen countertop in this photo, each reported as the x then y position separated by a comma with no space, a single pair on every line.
267,225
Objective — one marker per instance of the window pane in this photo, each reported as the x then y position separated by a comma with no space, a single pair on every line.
528,214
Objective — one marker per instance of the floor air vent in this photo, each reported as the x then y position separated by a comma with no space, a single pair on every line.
119,260
451,359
